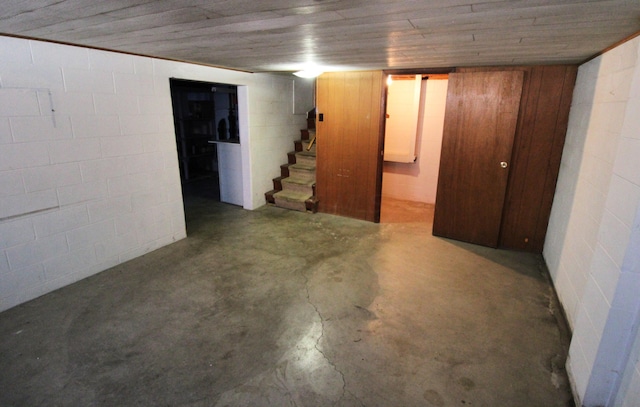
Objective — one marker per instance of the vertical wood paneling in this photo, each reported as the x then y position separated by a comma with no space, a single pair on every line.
536,157
351,149
555,157
329,97
349,144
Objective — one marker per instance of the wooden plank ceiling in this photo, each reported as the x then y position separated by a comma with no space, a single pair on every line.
283,35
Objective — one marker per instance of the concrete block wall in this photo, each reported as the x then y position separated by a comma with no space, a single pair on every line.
628,395
88,164
626,186
590,247
418,181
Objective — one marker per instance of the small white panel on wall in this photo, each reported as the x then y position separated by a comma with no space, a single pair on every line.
401,127
230,171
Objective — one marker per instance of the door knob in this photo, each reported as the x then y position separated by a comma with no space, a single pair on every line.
504,164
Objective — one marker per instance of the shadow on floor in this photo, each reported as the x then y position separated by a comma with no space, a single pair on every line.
206,188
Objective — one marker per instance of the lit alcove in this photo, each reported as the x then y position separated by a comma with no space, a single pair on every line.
412,144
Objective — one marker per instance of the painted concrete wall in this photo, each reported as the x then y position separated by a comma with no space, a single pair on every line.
590,248
88,163
418,181
628,394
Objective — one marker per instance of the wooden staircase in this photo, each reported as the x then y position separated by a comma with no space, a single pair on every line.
295,188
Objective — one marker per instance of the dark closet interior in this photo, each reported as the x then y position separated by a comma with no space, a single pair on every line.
205,114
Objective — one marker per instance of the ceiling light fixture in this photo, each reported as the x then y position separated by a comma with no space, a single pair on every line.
309,73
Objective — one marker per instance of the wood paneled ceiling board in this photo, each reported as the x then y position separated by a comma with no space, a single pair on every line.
284,35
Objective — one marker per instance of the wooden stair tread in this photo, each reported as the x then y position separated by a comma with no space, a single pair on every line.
299,181
292,196
303,167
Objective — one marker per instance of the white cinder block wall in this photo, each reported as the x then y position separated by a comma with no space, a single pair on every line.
591,248
418,181
88,163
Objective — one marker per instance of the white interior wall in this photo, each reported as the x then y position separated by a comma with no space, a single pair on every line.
230,170
404,100
589,246
418,181
88,164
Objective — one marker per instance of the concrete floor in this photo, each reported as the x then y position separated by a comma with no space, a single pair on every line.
279,308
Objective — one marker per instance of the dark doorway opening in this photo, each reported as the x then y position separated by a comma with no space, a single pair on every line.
205,114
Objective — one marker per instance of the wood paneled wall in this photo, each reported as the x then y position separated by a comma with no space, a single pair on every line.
349,144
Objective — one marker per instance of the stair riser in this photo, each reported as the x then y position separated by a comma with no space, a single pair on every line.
305,159
302,145
290,186
296,206
312,205
302,174
269,197
277,183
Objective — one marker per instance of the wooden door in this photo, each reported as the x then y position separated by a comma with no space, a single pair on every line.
480,123
537,150
349,144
